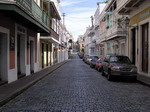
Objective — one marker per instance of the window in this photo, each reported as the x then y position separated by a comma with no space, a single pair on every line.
119,59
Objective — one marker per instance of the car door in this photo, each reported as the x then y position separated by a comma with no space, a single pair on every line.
106,64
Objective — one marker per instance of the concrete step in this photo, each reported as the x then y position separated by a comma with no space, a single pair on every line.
21,76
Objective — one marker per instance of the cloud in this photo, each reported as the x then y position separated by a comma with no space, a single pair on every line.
77,22
83,9
78,15
69,3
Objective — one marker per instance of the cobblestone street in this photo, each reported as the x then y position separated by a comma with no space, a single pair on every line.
75,87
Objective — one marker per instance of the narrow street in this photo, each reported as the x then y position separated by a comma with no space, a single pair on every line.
75,87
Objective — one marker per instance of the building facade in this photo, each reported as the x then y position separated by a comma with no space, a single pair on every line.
81,44
138,32
19,25
29,37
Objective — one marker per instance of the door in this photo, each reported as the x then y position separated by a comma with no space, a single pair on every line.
46,54
42,54
32,56
18,55
0,55
3,57
21,65
133,44
123,49
145,39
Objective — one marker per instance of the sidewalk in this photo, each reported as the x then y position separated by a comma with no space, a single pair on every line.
11,90
144,79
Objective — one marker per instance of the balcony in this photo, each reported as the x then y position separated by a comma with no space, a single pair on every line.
102,36
121,3
31,7
126,6
115,31
26,13
54,34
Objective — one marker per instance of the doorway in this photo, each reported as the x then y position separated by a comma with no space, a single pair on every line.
3,57
145,38
133,45
46,54
32,56
123,49
42,54
21,69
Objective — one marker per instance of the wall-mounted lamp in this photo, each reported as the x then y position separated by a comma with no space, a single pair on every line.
127,20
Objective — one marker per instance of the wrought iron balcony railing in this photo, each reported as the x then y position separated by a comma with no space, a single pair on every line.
31,7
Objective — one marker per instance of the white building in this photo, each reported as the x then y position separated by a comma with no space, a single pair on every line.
87,41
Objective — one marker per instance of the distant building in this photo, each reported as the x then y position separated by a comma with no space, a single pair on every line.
81,43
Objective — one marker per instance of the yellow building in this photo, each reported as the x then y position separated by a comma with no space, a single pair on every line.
138,33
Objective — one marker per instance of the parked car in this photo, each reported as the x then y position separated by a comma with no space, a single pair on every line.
81,55
117,65
93,61
99,64
88,61
85,57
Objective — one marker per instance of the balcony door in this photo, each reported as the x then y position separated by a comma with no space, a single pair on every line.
145,38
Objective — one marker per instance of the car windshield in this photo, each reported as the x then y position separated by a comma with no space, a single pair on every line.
119,59
95,57
86,56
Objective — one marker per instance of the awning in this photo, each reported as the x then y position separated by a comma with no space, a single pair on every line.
50,39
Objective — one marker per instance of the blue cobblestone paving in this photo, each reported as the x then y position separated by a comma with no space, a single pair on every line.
75,87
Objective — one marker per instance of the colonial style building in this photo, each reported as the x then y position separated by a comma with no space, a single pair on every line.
115,29
138,32
29,37
49,45
20,21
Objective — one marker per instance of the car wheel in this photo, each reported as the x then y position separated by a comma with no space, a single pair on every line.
99,69
103,73
95,68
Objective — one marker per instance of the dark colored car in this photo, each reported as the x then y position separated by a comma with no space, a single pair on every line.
88,61
99,64
81,55
93,60
117,65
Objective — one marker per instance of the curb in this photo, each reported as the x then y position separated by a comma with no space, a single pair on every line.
9,97
145,80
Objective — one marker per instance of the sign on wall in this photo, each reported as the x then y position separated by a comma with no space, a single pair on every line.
12,43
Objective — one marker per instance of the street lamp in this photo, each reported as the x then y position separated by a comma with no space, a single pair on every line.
127,20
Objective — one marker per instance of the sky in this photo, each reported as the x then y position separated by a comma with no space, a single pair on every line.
78,15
